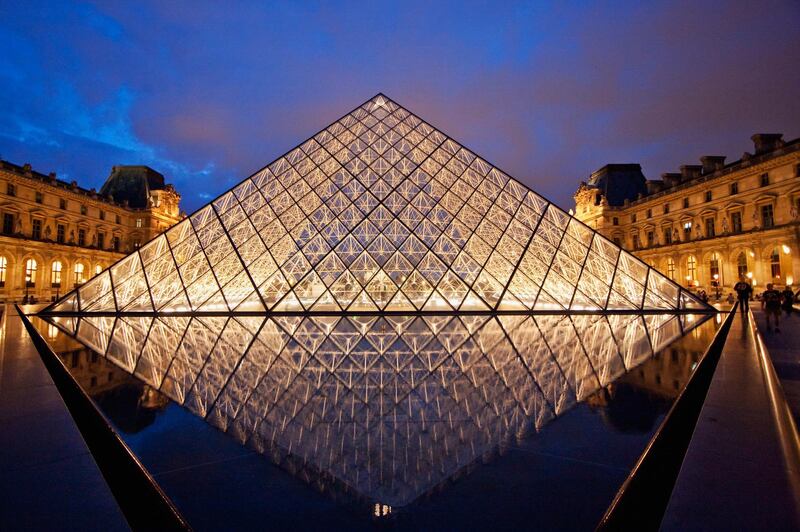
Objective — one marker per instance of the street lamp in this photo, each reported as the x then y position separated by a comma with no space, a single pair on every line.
716,284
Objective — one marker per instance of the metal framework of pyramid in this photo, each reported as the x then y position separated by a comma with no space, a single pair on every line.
379,212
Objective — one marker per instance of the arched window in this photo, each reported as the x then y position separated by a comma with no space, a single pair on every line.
30,272
714,268
79,278
3,266
55,274
691,268
671,268
775,263
98,269
741,265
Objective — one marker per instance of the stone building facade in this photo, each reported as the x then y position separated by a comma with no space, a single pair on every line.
709,224
56,235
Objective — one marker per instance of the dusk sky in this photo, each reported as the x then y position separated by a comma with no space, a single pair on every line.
548,92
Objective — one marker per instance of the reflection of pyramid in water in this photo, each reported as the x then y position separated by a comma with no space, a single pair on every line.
379,212
390,406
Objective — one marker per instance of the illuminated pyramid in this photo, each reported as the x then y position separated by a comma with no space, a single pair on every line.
379,212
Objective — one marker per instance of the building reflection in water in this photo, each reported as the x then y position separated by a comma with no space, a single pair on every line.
386,407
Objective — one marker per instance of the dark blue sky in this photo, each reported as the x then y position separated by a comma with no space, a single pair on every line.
548,92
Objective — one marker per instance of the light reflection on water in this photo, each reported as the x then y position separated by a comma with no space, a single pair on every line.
384,408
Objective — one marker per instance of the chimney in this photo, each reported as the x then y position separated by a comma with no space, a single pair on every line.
766,142
671,179
690,171
712,163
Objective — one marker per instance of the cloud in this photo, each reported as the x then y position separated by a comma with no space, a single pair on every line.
547,92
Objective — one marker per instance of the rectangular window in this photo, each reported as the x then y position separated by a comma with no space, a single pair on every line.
636,243
39,197
81,237
633,218
685,203
36,232
764,180
614,221
62,203
83,210
651,239
687,231
101,240
709,196
736,222
649,213
767,219
102,215
117,218
734,188
666,208
710,228
115,241
61,231
668,236
8,224
617,242
11,190
138,222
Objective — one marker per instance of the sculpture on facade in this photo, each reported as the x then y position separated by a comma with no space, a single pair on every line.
725,226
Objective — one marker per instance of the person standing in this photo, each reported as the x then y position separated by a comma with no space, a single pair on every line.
743,291
788,300
771,303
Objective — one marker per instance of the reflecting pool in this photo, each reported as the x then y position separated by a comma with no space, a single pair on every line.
417,421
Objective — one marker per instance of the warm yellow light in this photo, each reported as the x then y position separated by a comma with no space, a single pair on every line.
789,280
786,249
749,275
752,254
571,212
716,276
688,277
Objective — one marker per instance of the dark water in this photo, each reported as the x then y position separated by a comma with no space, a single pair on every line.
403,422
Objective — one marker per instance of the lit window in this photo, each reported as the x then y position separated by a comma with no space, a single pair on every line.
775,264
3,266
79,277
138,222
713,268
741,265
55,274
671,268
98,269
30,272
691,268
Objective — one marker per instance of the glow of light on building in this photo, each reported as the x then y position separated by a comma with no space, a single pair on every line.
786,249
401,218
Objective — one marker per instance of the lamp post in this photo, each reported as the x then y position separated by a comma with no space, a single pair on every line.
716,284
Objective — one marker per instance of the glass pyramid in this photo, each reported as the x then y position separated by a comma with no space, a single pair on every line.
378,212
389,406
